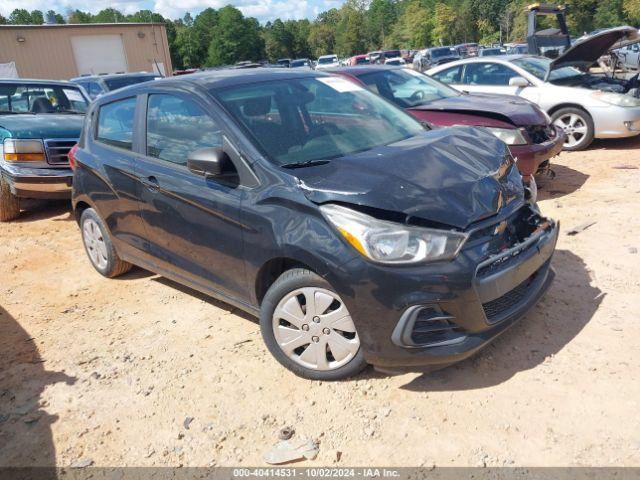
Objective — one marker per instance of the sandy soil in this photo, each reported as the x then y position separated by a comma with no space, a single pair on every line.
107,371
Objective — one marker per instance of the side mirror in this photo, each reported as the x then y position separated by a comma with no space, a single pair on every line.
208,162
519,82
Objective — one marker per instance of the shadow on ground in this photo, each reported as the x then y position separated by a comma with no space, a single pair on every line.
25,424
567,180
563,312
34,210
632,143
206,298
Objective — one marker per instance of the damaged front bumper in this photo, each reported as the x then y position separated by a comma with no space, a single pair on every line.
439,314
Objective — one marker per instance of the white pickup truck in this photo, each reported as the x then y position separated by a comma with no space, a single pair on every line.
630,56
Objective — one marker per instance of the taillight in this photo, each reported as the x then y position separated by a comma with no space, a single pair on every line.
72,156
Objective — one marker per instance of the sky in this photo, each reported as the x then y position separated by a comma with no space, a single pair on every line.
263,10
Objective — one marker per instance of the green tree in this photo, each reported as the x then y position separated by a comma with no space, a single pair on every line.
78,16
444,21
632,10
381,17
109,15
413,28
351,29
609,14
234,38
20,16
3,21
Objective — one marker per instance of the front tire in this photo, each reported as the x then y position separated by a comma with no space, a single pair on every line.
577,125
9,203
98,245
308,329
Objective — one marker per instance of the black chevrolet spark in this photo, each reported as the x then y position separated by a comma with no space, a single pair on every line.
354,234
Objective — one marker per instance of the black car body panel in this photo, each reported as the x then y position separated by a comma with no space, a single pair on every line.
228,239
420,183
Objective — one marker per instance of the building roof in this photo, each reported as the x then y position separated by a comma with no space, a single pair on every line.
83,25
36,81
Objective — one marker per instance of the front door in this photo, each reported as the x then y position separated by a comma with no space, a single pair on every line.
193,224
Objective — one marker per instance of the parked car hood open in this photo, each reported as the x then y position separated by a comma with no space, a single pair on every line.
453,177
506,108
46,125
584,53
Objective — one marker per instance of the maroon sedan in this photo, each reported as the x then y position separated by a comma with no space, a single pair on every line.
532,139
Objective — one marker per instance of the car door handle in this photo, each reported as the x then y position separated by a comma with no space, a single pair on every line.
151,183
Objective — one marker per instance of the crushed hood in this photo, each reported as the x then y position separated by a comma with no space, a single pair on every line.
45,125
453,176
506,108
587,51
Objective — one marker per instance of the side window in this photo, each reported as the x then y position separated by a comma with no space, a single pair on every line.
115,123
177,127
491,74
94,89
450,76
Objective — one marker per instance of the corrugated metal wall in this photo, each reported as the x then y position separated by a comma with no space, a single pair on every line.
46,52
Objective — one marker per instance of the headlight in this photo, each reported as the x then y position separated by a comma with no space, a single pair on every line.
390,242
617,99
17,150
510,136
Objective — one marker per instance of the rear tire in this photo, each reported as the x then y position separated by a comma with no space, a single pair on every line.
577,125
99,247
9,203
327,344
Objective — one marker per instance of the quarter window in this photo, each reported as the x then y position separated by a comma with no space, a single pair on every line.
115,123
491,74
177,127
449,76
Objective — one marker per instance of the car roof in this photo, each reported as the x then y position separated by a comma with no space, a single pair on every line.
496,59
362,69
218,79
115,75
37,81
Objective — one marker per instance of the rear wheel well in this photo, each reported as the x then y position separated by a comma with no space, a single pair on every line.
270,272
80,207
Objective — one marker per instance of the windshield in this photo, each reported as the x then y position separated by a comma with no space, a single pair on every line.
441,52
407,88
41,98
300,63
325,60
362,60
115,83
539,66
491,51
296,121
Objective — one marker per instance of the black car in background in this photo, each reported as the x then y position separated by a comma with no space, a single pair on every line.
96,85
356,235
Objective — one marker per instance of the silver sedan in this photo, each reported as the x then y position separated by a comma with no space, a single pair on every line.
585,105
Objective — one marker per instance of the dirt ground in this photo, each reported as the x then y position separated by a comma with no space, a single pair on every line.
140,371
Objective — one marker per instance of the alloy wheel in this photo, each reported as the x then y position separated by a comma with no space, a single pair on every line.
313,327
95,244
575,128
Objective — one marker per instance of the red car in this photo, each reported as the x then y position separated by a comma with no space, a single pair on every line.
531,137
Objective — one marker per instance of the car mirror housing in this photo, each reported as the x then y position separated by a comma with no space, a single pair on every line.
518,82
207,162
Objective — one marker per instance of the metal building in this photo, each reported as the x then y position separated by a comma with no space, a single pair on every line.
61,52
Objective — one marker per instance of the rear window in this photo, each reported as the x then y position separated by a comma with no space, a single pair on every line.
41,98
124,81
115,123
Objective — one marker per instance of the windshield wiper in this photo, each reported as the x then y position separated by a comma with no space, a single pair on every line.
73,112
308,163
11,112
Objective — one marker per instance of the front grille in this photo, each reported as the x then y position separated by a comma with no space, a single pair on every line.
540,133
58,151
495,309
